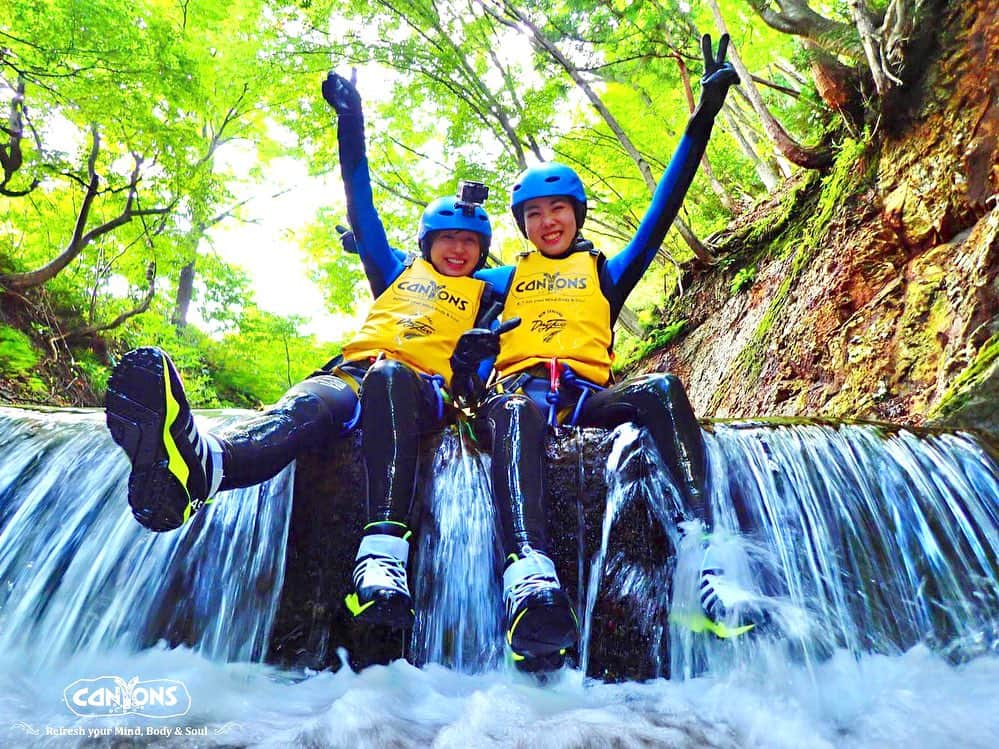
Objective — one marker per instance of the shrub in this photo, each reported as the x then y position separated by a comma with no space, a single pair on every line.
17,354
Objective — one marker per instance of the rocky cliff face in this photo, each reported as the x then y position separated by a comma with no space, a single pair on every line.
874,291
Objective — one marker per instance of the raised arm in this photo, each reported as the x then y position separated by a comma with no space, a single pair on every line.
381,264
627,267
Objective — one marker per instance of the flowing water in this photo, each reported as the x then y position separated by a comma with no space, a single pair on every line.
874,554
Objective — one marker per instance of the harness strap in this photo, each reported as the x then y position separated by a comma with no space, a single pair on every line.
532,384
437,382
349,425
554,383
584,386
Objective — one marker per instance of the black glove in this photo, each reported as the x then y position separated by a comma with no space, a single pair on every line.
718,75
347,239
473,348
342,95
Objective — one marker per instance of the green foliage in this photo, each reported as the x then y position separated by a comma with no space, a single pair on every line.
958,394
337,273
850,173
450,92
17,354
743,280
267,356
637,349
96,373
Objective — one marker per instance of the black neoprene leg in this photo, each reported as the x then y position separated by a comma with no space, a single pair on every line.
310,414
395,413
516,427
659,403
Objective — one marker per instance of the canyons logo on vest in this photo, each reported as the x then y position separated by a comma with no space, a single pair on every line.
112,695
549,282
433,290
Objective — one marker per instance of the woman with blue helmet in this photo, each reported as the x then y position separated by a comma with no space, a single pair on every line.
555,368
388,377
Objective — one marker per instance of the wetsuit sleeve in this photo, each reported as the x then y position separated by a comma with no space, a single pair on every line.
381,264
621,272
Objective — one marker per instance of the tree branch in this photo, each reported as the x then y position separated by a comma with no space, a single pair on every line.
82,238
141,307
797,18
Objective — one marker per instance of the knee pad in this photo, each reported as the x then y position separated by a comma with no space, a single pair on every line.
323,395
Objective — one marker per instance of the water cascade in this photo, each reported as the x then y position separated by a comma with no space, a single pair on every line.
855,537
874,552
80,575
458,592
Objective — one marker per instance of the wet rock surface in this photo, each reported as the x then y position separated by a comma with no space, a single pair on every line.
328,514
875,291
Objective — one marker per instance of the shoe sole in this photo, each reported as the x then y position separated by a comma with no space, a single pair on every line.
139,405
543,632
541,664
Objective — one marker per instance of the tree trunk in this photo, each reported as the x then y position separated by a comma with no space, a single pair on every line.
795,17
81,237
794,151
544,44
628,320
11,156
767,175
837,85
185,290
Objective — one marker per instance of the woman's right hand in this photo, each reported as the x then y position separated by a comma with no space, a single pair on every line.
342,95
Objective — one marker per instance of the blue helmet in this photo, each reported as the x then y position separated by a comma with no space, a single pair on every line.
547,180
450,214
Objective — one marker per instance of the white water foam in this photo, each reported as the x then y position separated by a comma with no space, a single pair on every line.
912,700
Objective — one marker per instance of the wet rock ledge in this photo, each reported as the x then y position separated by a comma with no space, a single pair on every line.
327,517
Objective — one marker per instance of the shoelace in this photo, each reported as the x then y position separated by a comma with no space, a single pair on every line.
381,572
526,586
710,601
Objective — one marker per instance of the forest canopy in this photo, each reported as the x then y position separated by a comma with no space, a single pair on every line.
119,119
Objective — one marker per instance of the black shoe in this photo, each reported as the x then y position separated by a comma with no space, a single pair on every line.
541,664
381,588
149,418
540,622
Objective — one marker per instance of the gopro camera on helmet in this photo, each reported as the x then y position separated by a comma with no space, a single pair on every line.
471,194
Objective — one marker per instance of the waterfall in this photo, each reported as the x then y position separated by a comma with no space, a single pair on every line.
873,548
79,575
457,583
860,537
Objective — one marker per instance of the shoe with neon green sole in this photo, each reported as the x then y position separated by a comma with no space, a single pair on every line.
729,609
381,587
540,622
172,464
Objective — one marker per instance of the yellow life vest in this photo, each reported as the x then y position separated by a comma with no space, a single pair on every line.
563,314
418,319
